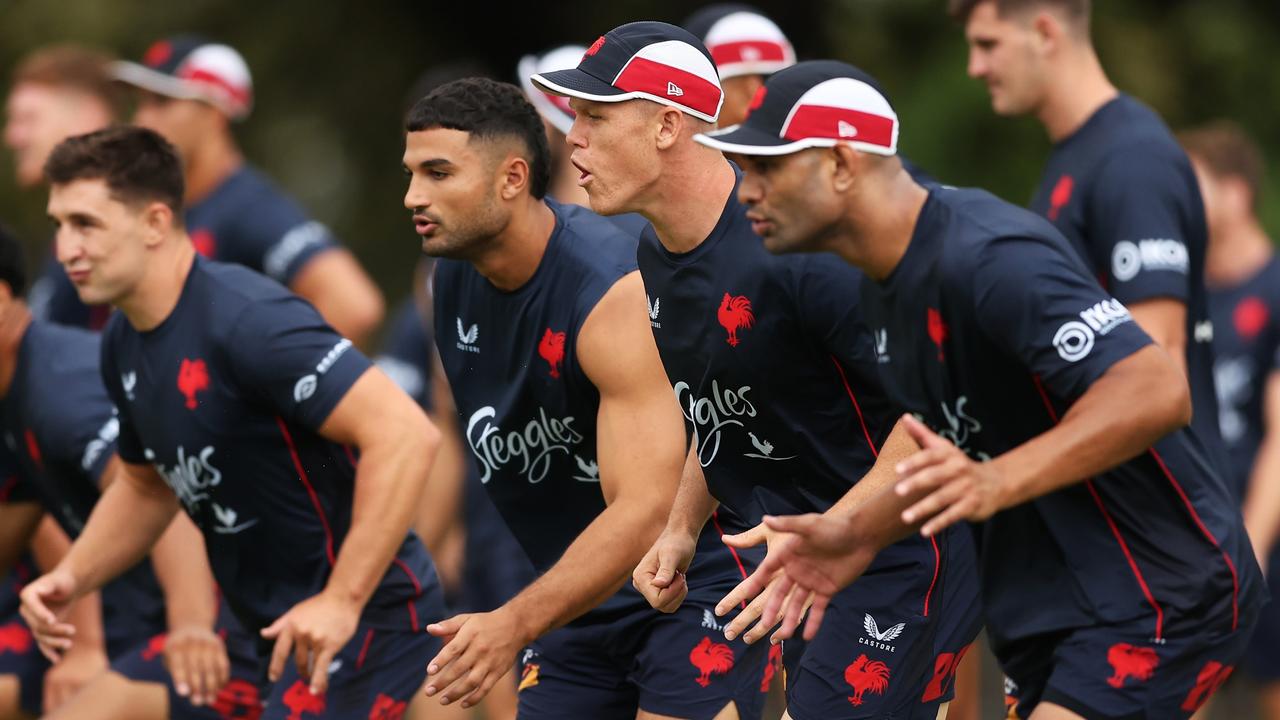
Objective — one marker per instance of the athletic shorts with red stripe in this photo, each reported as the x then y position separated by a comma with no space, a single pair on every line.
890,642
19,655
1111,672
626,656
240,699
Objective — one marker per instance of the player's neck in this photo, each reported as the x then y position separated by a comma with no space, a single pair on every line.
212,162
14,323
689,200
511,259
879,225
156,295
1236,254
1074,94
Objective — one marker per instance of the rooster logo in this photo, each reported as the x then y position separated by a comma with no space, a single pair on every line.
386,707
154,648
193,377
552,350
771,667
1129,661
1060,196
938,330
711,658
299,700
238,699
15,638
735,314
866,676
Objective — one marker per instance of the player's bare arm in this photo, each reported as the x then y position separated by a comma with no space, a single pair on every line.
641,451
940,485
396,443
660,576
133,513
344,294
1165,320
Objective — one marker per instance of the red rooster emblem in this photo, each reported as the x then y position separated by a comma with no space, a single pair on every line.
735,314
866,675
15,638
193,377
938,330
204,243
1128,661
238,699
1060,196
711,657
387,708
299,700
154,648
551,348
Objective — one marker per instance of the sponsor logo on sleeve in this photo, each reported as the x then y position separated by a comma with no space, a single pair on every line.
1074,340
291,245
1130,258
306,385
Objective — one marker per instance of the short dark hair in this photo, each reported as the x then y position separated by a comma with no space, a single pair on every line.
488,109
12,263
137,164
74,67
1073,9
1226,150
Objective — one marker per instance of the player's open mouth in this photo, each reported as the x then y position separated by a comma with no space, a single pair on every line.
586,175
423,225
759,224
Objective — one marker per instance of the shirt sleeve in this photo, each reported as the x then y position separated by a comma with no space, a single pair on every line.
1140,222
277,238
1037,302
284,354
127,443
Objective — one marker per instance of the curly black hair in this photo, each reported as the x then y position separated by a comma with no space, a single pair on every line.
487,109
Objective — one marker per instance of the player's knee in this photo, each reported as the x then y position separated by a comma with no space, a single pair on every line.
112,696
11,698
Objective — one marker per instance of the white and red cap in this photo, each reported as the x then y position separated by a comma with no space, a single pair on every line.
554,108
741,40
813,104
190,67
650,60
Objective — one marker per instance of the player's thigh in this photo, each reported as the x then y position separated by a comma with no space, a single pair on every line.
113,697
427,708
501,702
730,712
11,698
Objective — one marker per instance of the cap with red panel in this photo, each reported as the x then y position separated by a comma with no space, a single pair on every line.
552,107
741,40
190,67
813,104
649,60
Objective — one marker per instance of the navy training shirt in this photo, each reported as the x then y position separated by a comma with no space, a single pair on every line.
225,398
1123,192
246,220
992,327
1246,344
61,429
527,409
777,377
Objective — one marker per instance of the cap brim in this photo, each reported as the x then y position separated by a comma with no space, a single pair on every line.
744,140
153,81
576,83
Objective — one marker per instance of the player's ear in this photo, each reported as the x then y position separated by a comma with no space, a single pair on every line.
514,177
670,124
1047,32
846,166
157,222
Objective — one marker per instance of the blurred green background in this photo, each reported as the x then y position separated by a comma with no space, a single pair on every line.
332,81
